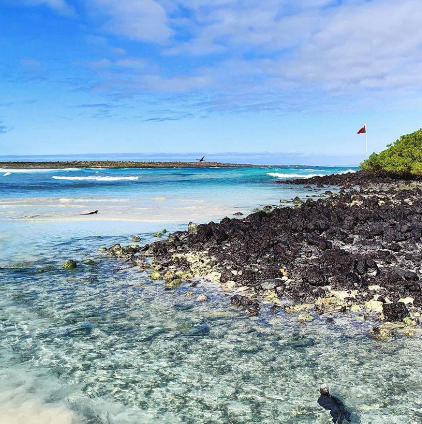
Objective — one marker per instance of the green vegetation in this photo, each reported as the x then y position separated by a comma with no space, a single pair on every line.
403,158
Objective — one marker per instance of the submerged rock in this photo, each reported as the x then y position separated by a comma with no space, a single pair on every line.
116,250
136,239
184,275
143,266
172,284
70,264
161,233
90,262
410,322
407,332
300,342
155,275
250,306
302,318
200,330
380,333
169,276
202,298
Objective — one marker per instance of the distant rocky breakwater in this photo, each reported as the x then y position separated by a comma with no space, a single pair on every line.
358,251
111,164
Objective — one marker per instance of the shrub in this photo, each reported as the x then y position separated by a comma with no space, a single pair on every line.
403,158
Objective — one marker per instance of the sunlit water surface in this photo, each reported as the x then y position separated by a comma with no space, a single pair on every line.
103,344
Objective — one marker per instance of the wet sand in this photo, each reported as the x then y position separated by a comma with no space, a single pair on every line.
154,209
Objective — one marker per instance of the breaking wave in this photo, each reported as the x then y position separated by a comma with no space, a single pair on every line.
348,171
278,175
92,178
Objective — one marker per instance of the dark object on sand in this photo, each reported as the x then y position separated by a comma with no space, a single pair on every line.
90,213
338,411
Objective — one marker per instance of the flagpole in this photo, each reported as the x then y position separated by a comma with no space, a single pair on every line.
366,141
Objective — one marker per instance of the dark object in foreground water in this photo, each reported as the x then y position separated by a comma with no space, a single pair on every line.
338,411
90,213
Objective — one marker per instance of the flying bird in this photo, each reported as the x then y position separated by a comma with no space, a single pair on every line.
201,160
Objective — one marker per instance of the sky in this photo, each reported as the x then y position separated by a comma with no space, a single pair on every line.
295,79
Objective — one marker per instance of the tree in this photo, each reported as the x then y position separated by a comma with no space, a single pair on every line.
403,158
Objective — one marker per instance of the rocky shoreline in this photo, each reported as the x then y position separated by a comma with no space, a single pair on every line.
356,251
351,179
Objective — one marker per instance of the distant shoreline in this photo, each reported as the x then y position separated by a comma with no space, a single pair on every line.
109,164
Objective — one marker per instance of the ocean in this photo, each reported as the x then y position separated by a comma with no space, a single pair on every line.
104,344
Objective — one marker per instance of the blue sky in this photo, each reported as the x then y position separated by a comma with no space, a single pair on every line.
294,77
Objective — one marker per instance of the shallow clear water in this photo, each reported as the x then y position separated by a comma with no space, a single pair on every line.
103,344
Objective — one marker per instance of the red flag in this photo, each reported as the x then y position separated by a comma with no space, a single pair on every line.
362,130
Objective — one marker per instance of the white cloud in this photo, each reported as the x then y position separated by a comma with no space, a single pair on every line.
143,20
258,53
177,84
132,63
59,5
376,45
357,44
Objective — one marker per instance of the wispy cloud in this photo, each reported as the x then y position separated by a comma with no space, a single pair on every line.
144,20
95,106
244,55
256,52
3,128
60,6
161,119
169,118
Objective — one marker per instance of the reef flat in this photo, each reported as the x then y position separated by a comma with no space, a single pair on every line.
357,250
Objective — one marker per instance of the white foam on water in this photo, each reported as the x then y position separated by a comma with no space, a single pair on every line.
93,178
85,200
348,171
279,175
6,174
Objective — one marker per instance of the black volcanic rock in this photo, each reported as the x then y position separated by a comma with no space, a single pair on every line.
395,311
368,234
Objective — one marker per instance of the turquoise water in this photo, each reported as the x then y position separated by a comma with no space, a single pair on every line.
103,344
164,195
